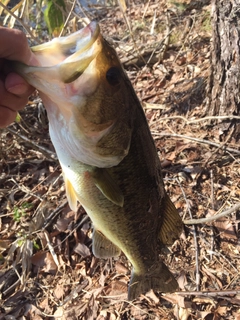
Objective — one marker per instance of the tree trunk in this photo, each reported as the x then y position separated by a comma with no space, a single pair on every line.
224,84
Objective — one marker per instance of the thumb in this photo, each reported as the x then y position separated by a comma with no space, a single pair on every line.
15,84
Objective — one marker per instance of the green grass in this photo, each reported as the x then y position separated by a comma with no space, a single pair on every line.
19,212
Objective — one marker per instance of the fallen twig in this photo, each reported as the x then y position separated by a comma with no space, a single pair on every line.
186,36
53,215
123,8
21,22
189,121
218,254
195,239
68,17
74,293
36,146
215,217
202,141
208,293
51,248
25,189
164,43
78,226
156,106
213,208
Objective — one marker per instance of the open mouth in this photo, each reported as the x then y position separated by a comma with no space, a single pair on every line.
65,58
75,43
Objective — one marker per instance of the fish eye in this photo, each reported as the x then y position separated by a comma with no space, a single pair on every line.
113,76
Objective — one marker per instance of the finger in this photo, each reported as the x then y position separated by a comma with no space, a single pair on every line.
11,101
10,39
17,85
7,116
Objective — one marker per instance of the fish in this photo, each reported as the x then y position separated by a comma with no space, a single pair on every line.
109,161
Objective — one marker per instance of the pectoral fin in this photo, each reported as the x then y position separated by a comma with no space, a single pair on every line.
172,225
71,194
102,247
106,184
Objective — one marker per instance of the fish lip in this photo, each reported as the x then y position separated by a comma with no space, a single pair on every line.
84,38
71,55
94,27
87,44
69,47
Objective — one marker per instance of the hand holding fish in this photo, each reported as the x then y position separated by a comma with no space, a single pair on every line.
14,90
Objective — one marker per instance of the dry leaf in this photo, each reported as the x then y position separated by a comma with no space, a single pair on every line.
104,314
175,299
225,228
82,250
4,244
59,291
182,313
214,279
120,268
222,310
115,288
44,260
150,294
182,280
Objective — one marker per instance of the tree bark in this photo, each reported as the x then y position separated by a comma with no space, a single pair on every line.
224,82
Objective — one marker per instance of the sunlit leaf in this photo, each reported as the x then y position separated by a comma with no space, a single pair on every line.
18,118
54,16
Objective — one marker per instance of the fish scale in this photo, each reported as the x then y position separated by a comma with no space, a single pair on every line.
107,154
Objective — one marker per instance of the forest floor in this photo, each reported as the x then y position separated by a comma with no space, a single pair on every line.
47,270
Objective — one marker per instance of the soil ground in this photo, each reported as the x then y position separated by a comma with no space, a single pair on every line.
47,270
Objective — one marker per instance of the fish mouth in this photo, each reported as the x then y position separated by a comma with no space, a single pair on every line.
65,58
72,44
79,49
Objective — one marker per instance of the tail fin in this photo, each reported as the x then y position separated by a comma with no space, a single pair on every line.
159,279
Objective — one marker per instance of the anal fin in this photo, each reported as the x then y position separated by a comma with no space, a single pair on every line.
102,247
172,225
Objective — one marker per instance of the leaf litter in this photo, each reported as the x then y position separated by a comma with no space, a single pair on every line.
47,270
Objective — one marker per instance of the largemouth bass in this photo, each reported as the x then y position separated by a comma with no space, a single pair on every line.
107,154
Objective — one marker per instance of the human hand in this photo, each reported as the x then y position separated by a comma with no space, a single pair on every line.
14,90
